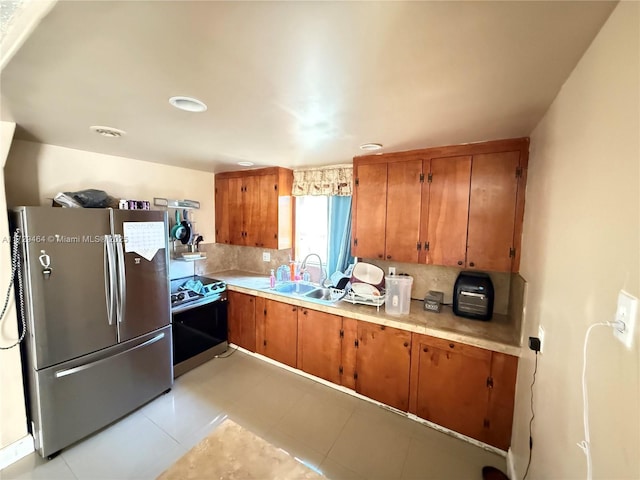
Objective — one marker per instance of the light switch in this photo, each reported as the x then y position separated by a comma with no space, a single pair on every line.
626,313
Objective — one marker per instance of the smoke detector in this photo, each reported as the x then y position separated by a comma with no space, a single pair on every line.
107,131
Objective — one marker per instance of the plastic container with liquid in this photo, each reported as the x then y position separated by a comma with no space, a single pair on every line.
398,294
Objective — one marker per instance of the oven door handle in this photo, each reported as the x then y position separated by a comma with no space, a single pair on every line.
196,304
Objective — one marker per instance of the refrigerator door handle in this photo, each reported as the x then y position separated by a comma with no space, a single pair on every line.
79,368
122,281
109,277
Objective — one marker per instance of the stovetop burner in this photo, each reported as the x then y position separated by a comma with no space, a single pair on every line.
189,289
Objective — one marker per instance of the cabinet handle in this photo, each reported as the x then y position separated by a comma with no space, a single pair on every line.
380,255
451,345
425,349
304,312
294,309
388,257
472,264
406,344
459,262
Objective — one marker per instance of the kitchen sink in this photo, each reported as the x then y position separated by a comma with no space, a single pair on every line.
295,288
320,294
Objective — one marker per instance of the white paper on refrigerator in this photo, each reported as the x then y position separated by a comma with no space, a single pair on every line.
143,238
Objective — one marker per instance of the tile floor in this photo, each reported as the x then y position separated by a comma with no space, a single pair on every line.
342,436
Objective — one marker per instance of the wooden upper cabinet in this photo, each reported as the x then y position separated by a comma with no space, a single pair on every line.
492,211
468,215
319,344
370,211
277,330
268,217
235,210
222,210
445,220
251,210
383,360
402,233
242,320
258,207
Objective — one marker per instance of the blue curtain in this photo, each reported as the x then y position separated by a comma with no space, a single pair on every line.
339,234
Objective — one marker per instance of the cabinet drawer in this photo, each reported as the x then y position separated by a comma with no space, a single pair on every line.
460,348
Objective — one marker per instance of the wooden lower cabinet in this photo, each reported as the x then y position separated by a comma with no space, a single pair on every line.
383,360
241,320
277,330
467,389
319,344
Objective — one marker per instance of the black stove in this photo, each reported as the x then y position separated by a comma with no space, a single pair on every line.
199,321
194,288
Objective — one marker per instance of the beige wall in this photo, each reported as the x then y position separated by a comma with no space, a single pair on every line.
35,172
581,246
13,421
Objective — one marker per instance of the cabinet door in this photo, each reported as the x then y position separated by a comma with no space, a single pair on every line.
370,211
349,352
277,331
403,211
502,392
448,211
222,210
242,320
449,384
492,211
319,344
236,226
382,364
251,210
267,223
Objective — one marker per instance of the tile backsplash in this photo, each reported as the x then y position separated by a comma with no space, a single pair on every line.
441,279
222,257
509,288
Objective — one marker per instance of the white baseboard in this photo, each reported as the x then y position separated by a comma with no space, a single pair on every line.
511,469
15,451
473,441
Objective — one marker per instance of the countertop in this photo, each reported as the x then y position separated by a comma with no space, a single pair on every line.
499,334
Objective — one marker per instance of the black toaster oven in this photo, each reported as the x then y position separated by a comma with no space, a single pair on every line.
473,296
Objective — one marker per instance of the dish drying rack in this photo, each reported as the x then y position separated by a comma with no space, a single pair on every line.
371,300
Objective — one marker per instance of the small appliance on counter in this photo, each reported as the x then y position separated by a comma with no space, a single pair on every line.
473,296
433,301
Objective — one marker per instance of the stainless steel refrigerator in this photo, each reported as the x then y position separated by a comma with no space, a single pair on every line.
97,308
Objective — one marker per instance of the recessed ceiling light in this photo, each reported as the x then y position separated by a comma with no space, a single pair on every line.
188,104
107,131
245,164
370,146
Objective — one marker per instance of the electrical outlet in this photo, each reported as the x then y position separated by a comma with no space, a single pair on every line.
626,313
392,270
266,257
541,337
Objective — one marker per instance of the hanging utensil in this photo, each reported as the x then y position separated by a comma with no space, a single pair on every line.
186,224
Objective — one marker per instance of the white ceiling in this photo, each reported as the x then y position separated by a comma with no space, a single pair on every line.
291,83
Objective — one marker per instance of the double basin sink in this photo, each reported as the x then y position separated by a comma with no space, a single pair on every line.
303,290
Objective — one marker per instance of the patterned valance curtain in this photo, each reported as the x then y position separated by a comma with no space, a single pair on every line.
335,180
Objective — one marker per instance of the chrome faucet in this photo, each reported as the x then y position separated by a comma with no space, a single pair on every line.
323,275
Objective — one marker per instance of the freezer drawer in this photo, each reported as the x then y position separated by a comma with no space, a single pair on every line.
72,400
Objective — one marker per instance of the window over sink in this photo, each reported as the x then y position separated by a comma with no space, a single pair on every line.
323,226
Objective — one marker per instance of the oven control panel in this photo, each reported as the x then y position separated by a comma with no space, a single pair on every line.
190,289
